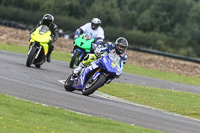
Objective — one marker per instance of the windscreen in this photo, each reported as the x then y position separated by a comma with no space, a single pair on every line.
114,58
43,29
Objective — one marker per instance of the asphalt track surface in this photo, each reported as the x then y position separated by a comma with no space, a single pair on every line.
42,86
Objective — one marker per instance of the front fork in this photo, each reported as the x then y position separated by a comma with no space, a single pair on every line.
97,74
30,48
39,49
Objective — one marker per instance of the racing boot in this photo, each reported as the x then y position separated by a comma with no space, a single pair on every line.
78,70
51,48
49,57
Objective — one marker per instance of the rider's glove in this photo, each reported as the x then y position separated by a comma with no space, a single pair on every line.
99,51
51,41
94,46
98,55
76,36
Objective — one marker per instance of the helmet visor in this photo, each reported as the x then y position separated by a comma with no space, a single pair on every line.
120,47
46,22
95,26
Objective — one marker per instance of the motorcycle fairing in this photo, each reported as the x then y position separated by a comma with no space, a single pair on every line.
79,81
104,63
84,44
42,37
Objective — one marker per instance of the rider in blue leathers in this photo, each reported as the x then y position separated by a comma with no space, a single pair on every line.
119,47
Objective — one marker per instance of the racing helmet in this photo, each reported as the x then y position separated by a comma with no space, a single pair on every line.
121,45
95,23
47,19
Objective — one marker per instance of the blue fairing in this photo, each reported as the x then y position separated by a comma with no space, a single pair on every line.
107,66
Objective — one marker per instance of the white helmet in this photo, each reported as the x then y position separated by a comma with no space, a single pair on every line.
95,23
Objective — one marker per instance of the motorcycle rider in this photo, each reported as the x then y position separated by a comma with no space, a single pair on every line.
120,46
48,20
95,29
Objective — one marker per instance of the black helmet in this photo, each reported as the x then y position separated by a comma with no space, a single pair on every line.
95,23
121,44
47,19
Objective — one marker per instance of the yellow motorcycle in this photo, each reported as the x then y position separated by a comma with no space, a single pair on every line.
38,46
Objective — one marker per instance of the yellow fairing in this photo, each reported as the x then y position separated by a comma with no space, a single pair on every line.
91,58
42,38
45,47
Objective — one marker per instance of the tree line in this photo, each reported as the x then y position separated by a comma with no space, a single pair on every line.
166,25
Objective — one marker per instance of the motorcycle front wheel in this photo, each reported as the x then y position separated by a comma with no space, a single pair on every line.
68,84
31,57
94,85
74,60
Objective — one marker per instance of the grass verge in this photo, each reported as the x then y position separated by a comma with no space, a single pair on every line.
19,116
184,103
129,68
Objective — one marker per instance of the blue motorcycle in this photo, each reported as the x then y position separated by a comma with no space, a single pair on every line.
96,74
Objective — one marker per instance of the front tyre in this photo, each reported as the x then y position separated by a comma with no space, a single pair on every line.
68,84
75,59
94,85
31,57
38,66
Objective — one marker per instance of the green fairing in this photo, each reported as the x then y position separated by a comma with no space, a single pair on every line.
84,44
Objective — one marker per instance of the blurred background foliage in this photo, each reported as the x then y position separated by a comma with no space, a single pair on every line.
166,25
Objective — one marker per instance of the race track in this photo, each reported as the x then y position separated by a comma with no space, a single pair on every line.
42,86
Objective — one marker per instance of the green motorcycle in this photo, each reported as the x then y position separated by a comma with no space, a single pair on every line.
82,46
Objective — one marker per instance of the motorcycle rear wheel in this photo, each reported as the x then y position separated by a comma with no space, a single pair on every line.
94,85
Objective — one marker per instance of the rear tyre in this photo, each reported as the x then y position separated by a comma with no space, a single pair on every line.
74,60
31,57
94,85
68,84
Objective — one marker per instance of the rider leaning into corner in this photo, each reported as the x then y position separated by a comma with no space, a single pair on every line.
120,46
48,21
95,29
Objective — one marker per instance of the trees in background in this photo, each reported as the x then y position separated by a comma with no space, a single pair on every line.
167,25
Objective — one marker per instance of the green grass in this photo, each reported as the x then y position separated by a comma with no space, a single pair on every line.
19,116
129,68
171,100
